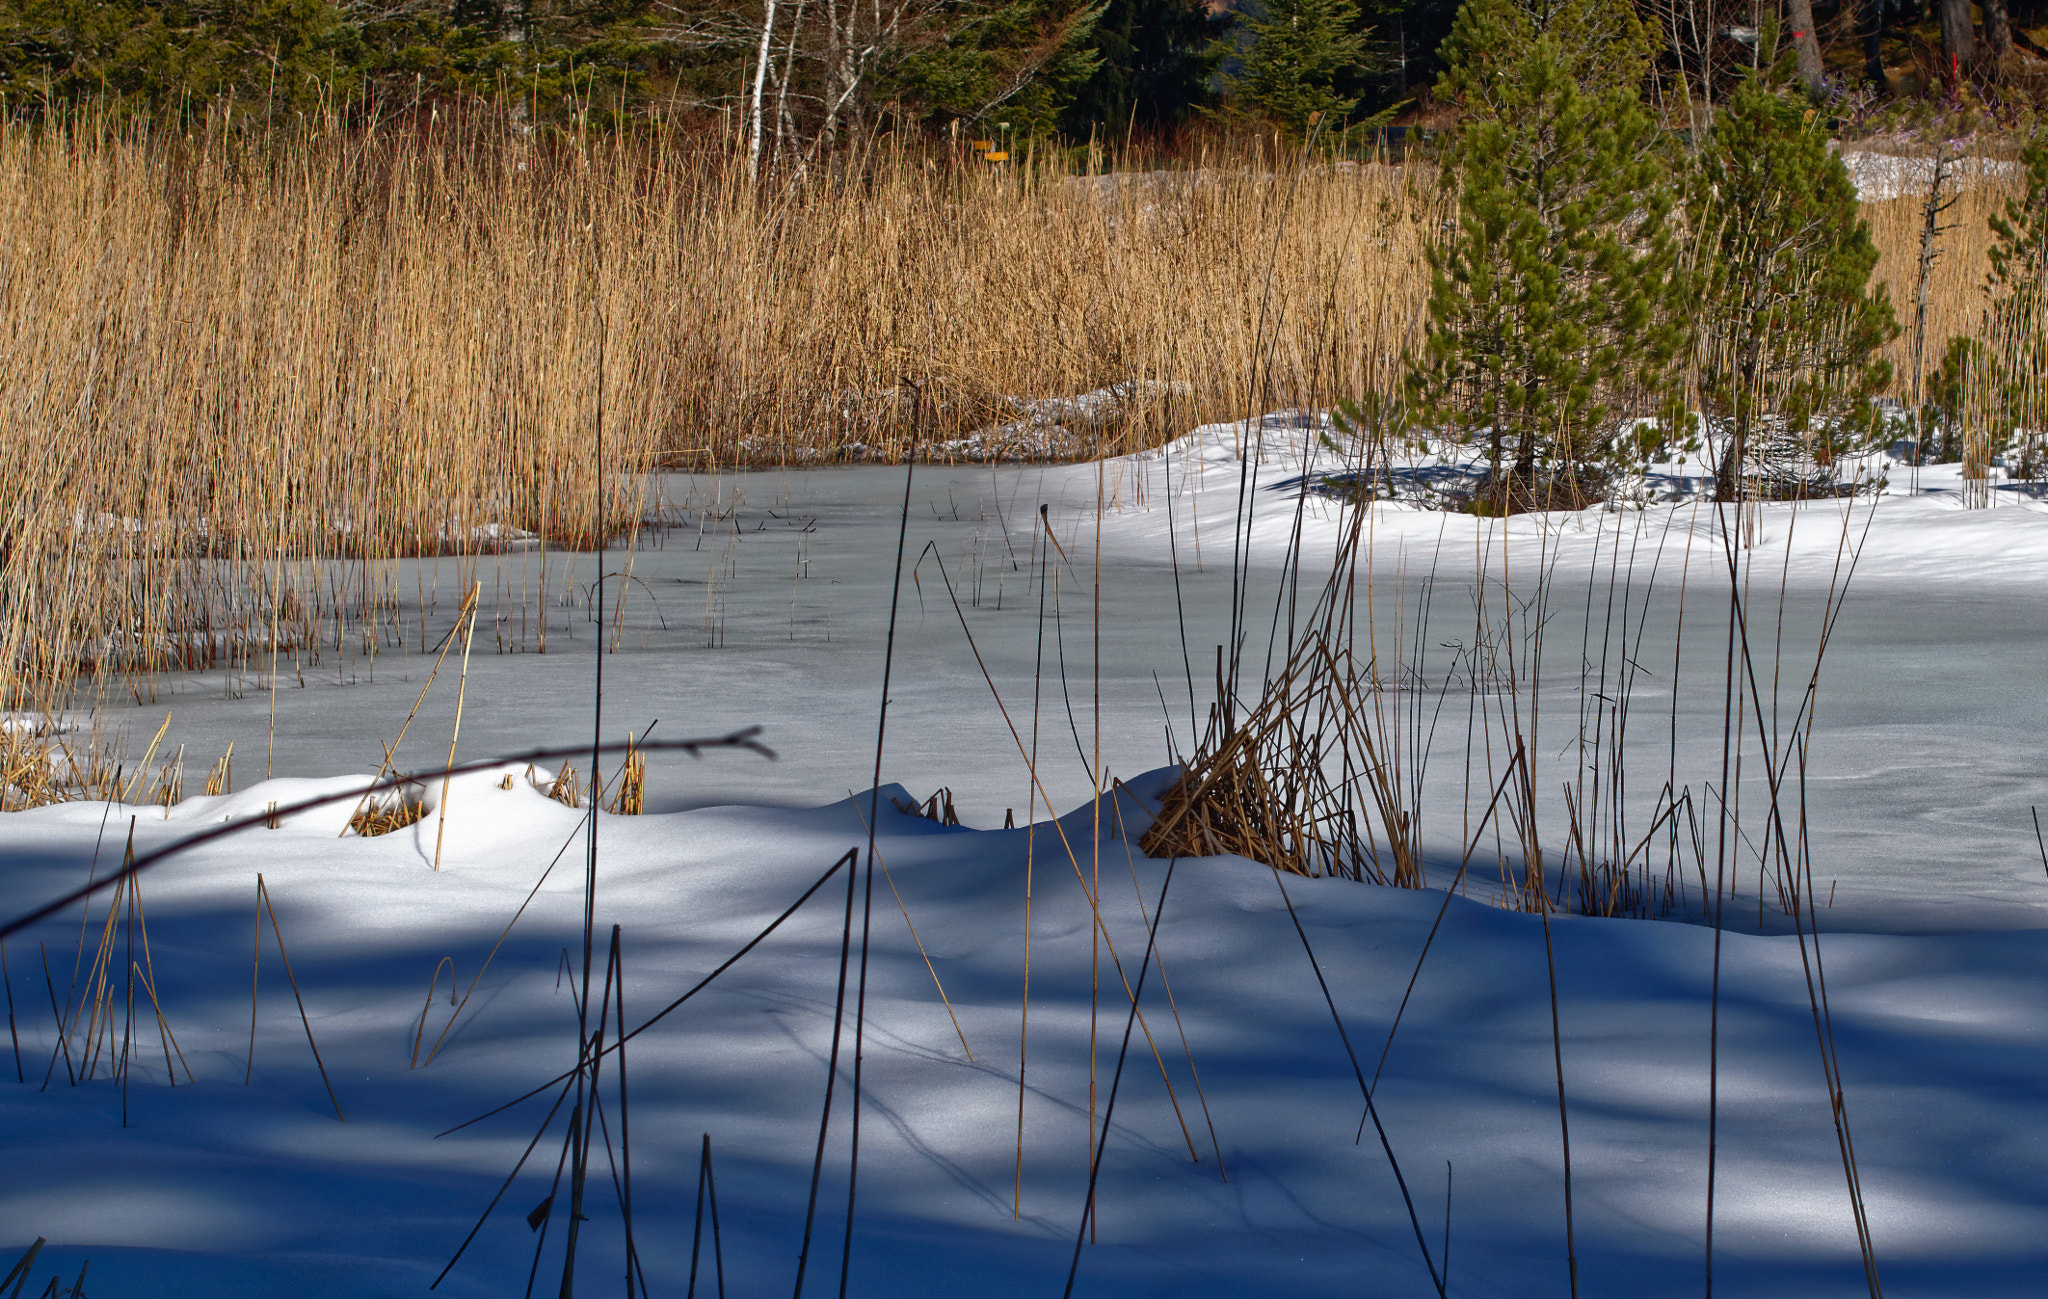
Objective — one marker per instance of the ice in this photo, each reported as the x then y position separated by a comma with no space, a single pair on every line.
770,606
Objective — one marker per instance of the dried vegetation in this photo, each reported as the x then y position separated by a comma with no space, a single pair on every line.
238,377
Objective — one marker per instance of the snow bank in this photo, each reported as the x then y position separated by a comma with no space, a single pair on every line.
259,1188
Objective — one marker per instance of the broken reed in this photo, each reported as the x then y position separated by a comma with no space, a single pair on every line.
41,762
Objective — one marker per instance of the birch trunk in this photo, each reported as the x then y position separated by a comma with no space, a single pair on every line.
784,124
760,86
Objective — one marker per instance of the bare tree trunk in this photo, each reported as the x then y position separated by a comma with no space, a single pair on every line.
1997,31
1682,32
838,52
849,55
1728,470
760,87
1806,44
1873,37
1703,44
1958,37
852,65
1931,230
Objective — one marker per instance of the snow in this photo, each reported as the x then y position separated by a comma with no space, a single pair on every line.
1052,427
770,606
1878,175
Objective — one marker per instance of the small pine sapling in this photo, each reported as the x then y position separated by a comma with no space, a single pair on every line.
1941,412
1790,324
2008,388
1557,298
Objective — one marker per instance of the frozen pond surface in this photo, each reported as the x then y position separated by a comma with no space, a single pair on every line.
766,603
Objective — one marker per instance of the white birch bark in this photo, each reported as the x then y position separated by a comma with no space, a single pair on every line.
785,126
760,86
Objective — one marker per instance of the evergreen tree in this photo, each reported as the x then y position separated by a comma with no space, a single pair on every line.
1302,58
1020,61
1556,301
921,60
149,54
1601,46
1941,413
289,57
1790,324
1157,58
2014,363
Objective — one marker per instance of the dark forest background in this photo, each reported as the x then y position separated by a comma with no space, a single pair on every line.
824,71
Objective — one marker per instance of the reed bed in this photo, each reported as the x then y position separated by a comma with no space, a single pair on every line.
238,374
234,376
1955,281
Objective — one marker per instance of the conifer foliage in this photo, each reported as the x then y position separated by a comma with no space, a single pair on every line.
2016,300
1157,60
1790,324
1557,301
1302,54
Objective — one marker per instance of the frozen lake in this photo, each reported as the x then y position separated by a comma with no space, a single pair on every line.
765,601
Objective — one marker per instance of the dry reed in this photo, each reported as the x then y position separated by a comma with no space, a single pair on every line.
245,374
242,375
1955,282
382,816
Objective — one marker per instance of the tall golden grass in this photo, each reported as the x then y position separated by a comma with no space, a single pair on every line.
1955,282
222,361
235,375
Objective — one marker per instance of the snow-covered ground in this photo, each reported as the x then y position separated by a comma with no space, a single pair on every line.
771,608
1879,175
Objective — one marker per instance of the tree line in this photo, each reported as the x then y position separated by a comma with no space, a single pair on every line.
827,70
1608,296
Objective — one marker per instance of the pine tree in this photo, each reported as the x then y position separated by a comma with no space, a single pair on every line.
2016,300
1603,46
1555,304
1157,58
1019,61
1942,410
1790,324
1302,56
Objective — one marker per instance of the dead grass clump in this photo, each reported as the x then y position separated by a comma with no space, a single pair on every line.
939,807
388,813
1573,488
632,792
1224,804
45,760
564,789
220,779
1323,774
1281,786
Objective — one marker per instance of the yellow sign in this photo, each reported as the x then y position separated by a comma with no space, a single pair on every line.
983,146
997,155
